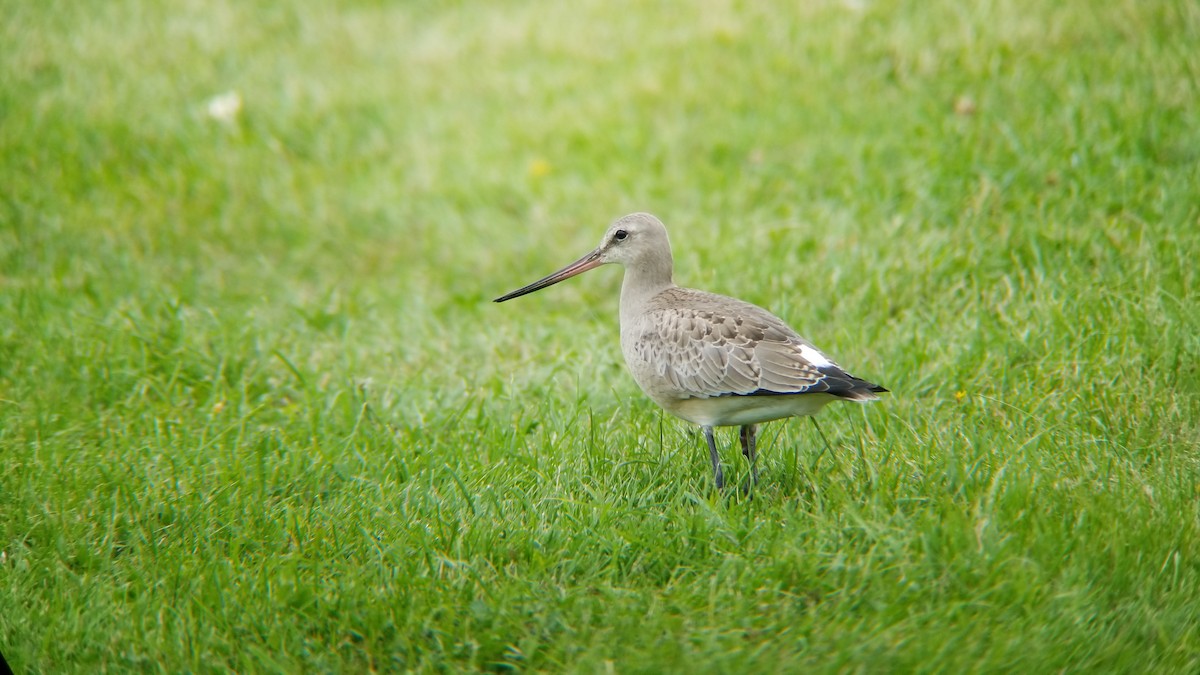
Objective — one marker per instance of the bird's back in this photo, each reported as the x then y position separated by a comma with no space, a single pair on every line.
684,343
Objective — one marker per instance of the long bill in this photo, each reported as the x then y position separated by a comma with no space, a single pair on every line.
587,262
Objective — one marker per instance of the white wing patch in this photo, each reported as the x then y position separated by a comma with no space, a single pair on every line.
815,357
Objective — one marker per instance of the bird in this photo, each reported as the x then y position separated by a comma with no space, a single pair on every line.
709,359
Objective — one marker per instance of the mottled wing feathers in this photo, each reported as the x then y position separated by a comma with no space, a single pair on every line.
708,345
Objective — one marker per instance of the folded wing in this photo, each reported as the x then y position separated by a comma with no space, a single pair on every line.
707,345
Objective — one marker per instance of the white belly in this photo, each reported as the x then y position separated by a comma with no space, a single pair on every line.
725,411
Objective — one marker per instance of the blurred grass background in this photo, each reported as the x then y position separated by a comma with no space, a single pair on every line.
258,413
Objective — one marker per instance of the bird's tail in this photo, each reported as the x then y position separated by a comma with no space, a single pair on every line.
862,391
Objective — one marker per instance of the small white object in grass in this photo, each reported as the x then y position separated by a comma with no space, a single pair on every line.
225,107
965,106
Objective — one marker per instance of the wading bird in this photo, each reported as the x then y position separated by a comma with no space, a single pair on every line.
712,360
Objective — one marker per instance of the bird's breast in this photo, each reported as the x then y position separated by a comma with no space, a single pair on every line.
648,362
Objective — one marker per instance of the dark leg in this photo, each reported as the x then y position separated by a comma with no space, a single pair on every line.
823,439
716,459
747,437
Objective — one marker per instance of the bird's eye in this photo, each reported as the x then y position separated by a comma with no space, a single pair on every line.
620,235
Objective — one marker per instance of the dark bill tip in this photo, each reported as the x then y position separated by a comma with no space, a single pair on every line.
587,262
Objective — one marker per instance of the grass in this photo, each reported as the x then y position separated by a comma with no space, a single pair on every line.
257,412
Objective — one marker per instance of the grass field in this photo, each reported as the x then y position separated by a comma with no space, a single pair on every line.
258,413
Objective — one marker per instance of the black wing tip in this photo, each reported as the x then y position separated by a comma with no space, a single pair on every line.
859,389
836,382
840,381
854,389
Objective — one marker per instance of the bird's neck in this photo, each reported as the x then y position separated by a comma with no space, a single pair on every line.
643,282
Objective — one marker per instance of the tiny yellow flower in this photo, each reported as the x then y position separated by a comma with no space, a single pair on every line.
538,167
960,395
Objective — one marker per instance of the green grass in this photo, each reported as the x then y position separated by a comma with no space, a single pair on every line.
258,413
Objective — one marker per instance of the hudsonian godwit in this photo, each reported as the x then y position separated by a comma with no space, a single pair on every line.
710,359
